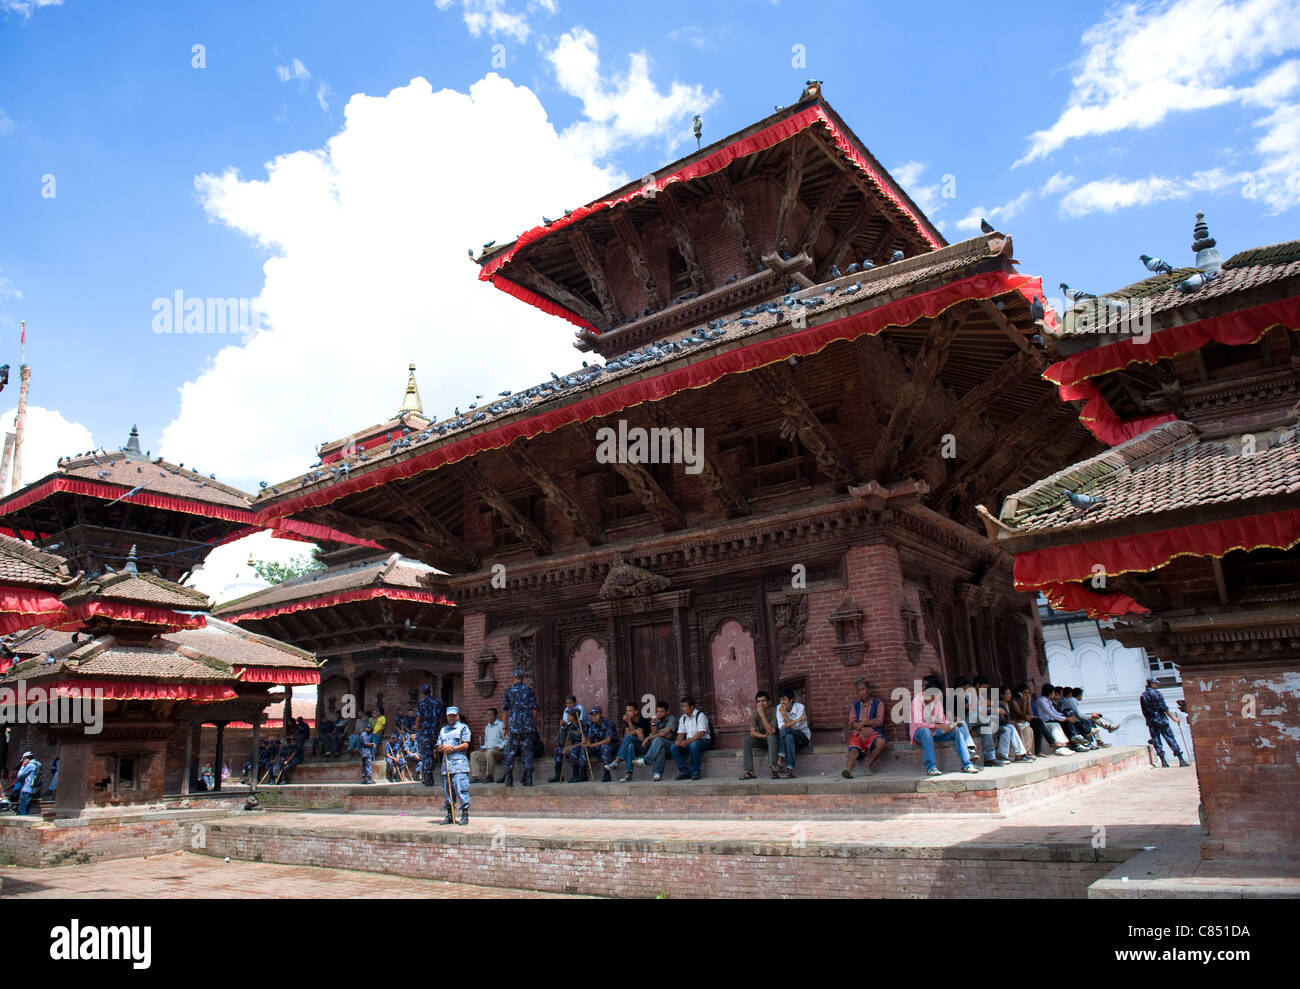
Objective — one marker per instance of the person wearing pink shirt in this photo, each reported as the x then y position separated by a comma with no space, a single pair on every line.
930,724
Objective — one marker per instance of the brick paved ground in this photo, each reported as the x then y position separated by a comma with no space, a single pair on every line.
186,876
1138,808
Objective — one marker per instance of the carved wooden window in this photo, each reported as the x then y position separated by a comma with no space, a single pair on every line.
530,505
850,645
911,633
678,272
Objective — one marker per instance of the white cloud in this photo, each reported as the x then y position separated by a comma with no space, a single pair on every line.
6,122
1013,208
927,196
8,290
496,19
1146,63
25,7
369,272
705,39
294,70
1111,194
47,436
323,93
620,109
226,574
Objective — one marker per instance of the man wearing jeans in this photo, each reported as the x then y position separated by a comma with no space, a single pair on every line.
692,740
28,779
795,734
663,732
930,724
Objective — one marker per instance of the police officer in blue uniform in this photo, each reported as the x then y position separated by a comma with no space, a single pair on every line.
520,704
428,721
453,745
1157,712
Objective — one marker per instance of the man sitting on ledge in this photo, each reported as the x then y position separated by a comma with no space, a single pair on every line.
692,740
866,729
930,724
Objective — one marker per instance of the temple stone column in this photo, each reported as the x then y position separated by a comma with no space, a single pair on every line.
216,766
288,706
391,667
253,754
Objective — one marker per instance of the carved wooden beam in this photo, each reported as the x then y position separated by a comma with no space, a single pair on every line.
998,319
530,276
883,241
672,210
555,494
734,212
972,404
585,251
627,233
434,532
647,489
723,488
427,544
929,362
837,255
1003,440
510,515
829,200
776,386
790,197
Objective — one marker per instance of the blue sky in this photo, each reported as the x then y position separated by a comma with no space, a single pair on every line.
355,246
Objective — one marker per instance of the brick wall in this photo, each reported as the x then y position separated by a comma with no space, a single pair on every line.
1247,736
681,869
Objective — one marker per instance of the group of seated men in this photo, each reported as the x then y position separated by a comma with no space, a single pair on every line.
587,739
277,757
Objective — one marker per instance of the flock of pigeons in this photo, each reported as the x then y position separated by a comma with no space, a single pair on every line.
508,401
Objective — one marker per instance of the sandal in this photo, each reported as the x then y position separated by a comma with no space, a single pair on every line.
747,775
775,775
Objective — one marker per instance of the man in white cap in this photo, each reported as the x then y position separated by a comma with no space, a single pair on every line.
453,745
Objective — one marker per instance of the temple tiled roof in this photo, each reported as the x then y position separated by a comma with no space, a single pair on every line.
162,477
393,571
237,646
25,565
108,656
1159,294
36,641
826,302
123,585
1168,469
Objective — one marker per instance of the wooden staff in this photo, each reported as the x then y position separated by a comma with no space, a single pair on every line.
1187,749
451,790
583,735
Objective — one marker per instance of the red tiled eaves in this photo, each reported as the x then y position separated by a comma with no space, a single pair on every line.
801,343
768,137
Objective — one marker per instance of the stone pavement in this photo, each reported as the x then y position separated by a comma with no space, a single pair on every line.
185,875
1137,809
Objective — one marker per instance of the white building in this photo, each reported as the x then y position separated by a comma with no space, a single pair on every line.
1112,676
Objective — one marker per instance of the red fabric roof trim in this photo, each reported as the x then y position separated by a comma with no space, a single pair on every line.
23,607
925,305
109,492
174,621
768,137
1149,551
314,532
1076,597
341,597
286,675
311,723
1101,419
1233,329
539,301
140,691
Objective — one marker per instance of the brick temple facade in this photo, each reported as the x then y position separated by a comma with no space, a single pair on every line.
856,387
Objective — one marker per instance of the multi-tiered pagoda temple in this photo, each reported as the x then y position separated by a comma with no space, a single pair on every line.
770,479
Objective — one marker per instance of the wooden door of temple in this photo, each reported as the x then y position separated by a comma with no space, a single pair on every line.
654,664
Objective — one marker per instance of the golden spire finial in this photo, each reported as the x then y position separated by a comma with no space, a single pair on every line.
411,400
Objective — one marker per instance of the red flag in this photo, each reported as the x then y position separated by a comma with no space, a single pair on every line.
24,339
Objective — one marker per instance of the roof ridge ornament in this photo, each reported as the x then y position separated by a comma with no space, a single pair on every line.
132,448
130,567
411,400
1208,258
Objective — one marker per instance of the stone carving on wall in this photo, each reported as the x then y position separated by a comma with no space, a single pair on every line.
789,619
627,581
486,682
850,646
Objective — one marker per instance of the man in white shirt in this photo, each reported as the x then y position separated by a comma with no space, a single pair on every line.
692,740
794,732
484,762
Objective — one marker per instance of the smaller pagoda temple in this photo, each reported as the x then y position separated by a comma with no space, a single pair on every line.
127,678
1188,529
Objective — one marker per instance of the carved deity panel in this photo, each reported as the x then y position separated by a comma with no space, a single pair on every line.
735,679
